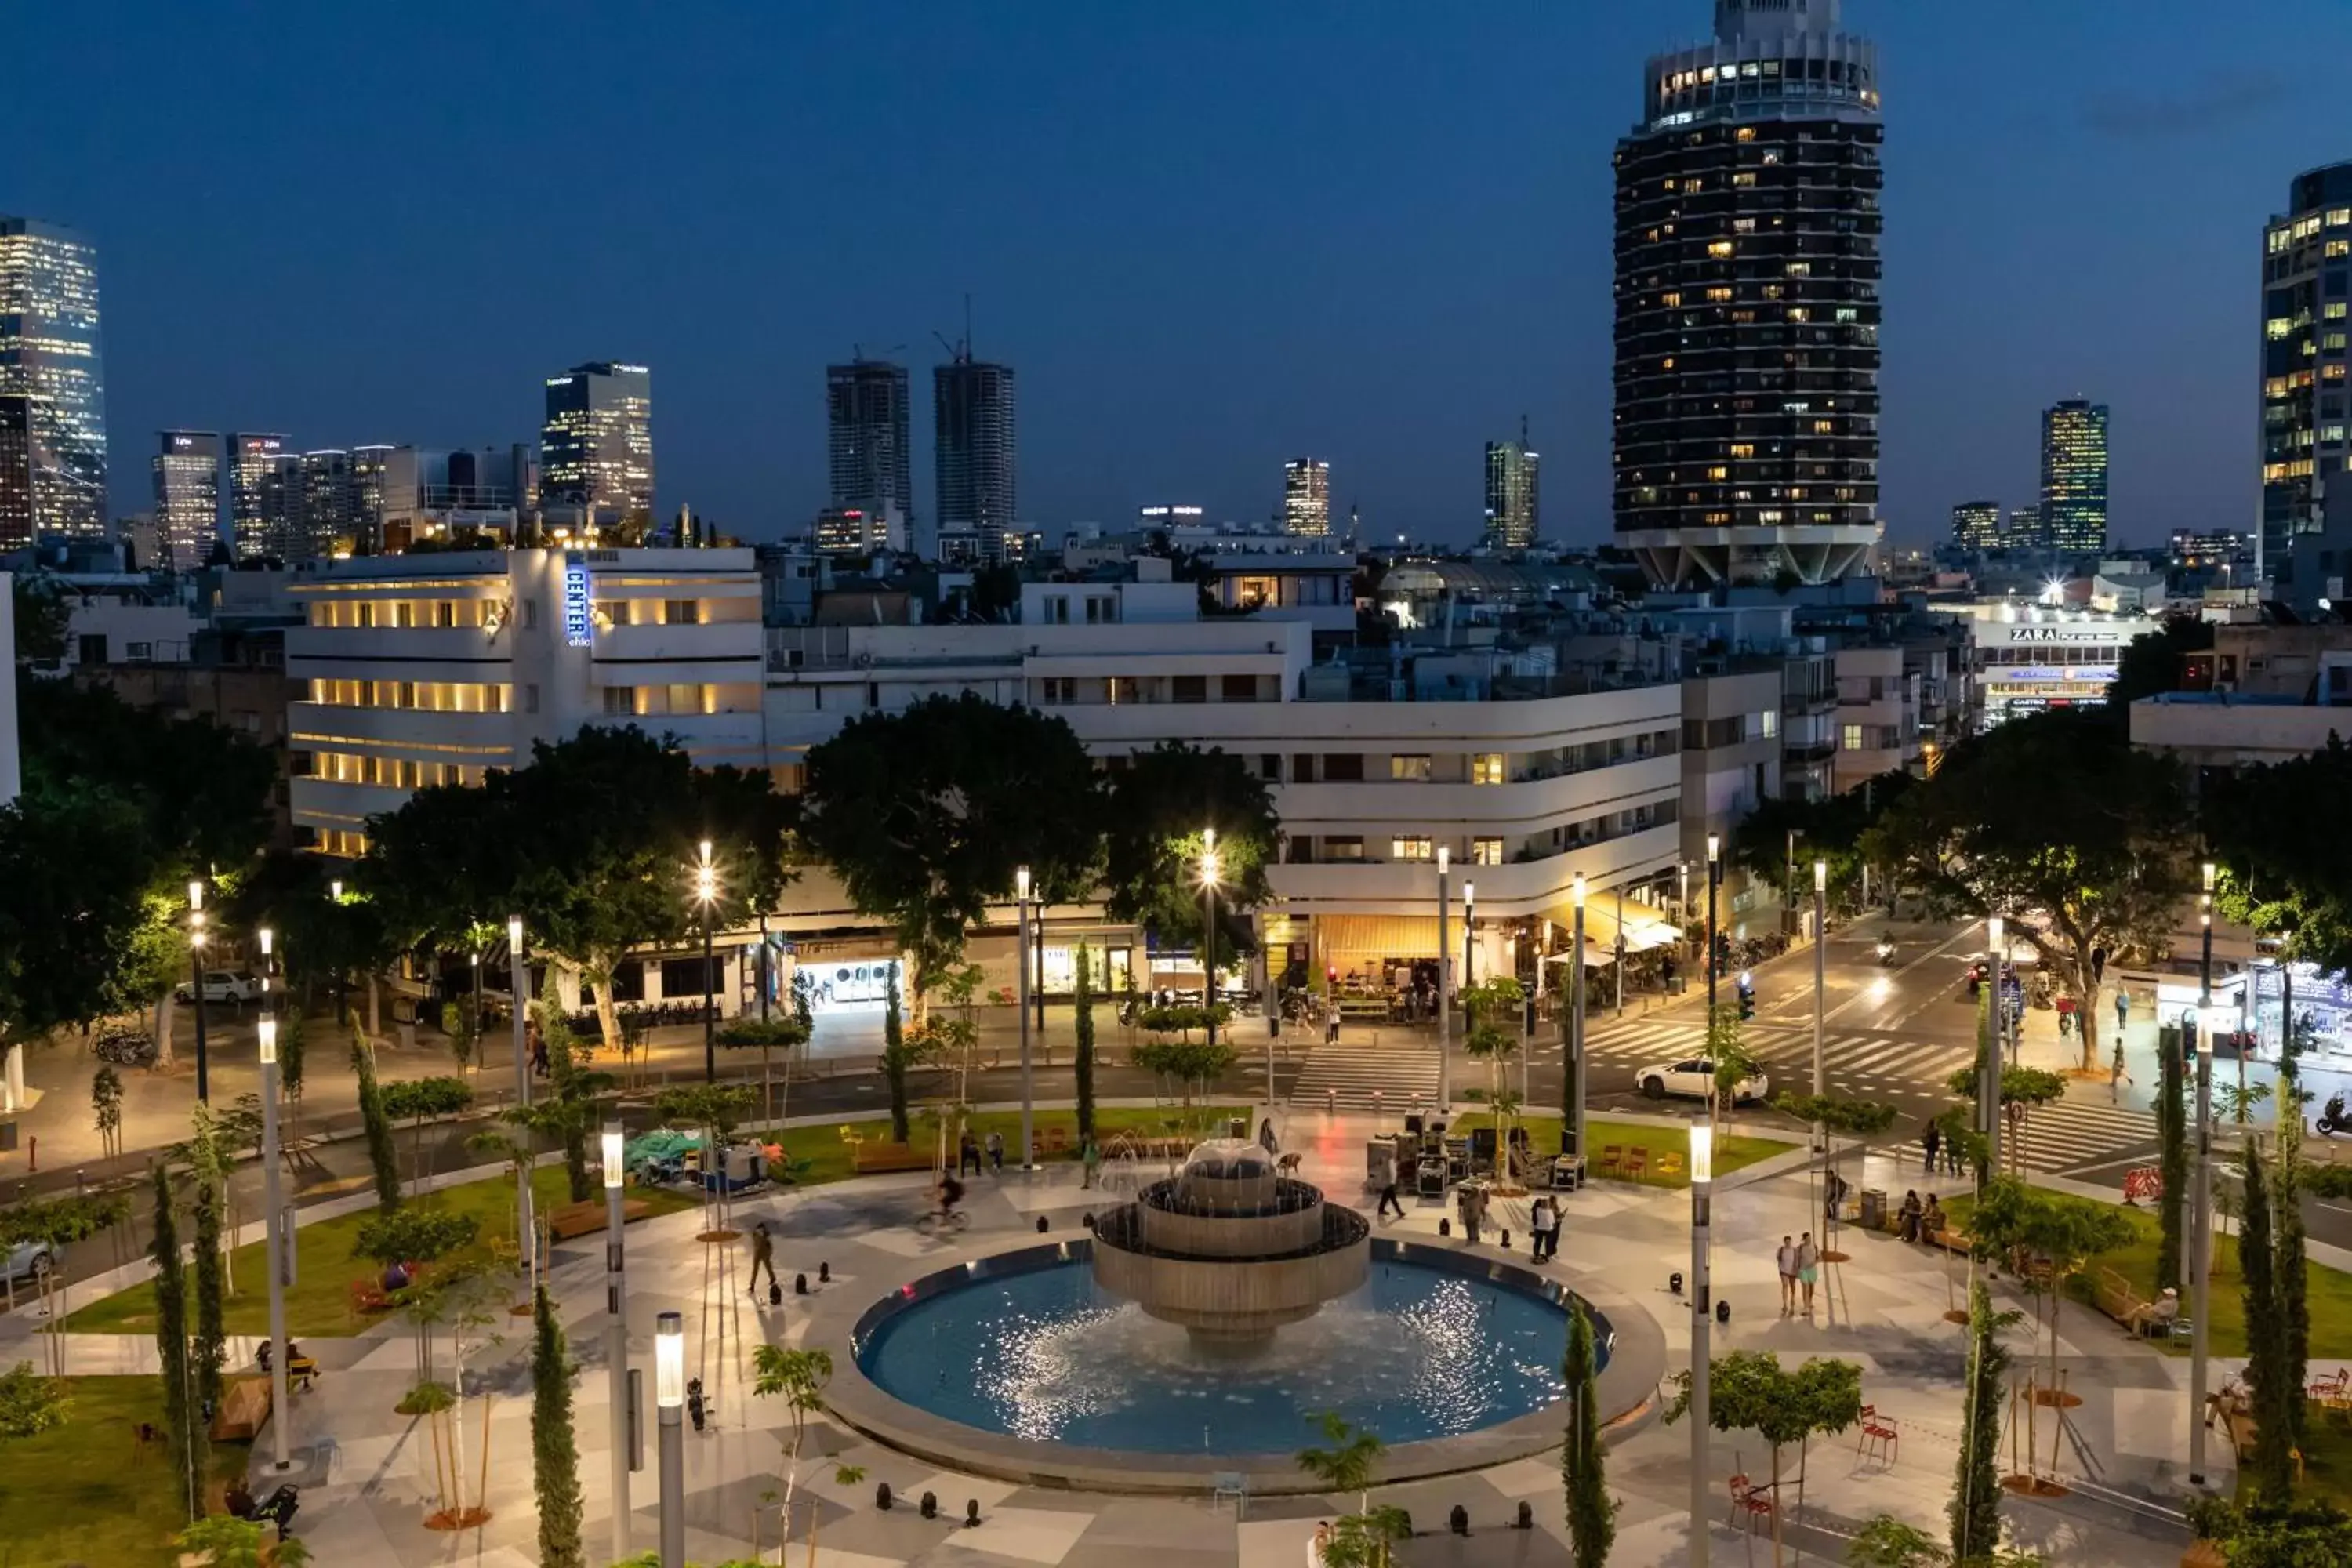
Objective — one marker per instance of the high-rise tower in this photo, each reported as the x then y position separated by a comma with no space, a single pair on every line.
1747,290
1976,524
2075,476
2306,259
1511,492
975,441
596,449
264,495
187,496
872,459
1306,497
52,384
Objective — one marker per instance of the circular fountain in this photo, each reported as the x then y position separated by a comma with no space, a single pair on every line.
1229,1249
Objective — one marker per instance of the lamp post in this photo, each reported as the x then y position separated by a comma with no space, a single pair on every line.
1021,961
705,893
273,1227
2200,1216
1820,990
1702,1169
1714,886
197,980
1469,937
1444,992
617,1336
1621,950
1576,1014
518,998
1208,941
1988,1070
669,1397
335,897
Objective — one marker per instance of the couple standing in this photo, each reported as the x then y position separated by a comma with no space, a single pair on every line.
1800,1269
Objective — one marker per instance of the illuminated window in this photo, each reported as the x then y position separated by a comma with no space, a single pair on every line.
1799,313
1487,768
1719,295
1410,848
1745,134
1720,247
1485,851
2339,216
1415,769
1799,270
2336,247
1718,473
1743,178
1825,426
1675,299
1767,724
1853,737
1743,449
2334,310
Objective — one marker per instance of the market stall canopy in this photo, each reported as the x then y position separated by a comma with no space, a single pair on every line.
1595,955
1645,929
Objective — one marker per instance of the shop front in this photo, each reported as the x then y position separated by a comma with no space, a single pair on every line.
845,974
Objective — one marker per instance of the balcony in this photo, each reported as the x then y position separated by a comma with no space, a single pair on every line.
1438,809
310,647
487,738
1520,887
657,644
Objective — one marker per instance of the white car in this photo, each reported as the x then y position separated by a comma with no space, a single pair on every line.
1693,1078
28,1262
220,986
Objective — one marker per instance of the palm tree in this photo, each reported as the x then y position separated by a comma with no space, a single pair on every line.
1348,1464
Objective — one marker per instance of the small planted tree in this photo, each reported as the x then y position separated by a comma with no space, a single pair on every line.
105,1109
417,1101
1349,1461
554,1451
898,1059
1733,1060
183,1428
771,1035
1491,1007
209,1355
2270,1470
384,1160
1189,1064
30,1403
1591,1513
1975,1508
1083,1025
225,1542
1750,1391
2021,1088
463,1025
798,1377
2172,1158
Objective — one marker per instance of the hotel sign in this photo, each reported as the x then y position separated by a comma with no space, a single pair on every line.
576,627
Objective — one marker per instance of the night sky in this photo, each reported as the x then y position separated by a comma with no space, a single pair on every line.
1208,236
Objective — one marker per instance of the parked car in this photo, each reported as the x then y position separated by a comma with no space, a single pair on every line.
220,986
1693,1078
27,1262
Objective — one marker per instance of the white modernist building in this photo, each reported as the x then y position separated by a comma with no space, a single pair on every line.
2026,659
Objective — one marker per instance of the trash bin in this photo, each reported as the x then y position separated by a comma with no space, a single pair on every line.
1874,1208
1238,1128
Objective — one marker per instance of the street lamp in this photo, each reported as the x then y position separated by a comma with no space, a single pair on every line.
1714,886
196,978
2201,1234
1702,1169
1209,939
1469,938
1576,1016
1444,992
273,1225
1989,1072
616,1335
518,998
705,893
669,1398
1021,885
1821,987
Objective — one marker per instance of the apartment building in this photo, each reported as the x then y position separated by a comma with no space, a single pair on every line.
1877,714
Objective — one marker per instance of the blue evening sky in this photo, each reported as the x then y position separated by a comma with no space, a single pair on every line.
1209,235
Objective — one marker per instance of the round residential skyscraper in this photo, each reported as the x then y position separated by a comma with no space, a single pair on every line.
1747,367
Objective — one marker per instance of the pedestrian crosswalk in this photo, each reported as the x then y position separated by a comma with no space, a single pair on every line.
1355,1076
2060,1136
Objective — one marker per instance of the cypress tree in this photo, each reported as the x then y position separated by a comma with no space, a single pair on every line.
2173,1141
2287,1282
1975,1508
2274,1400
382,1155
554,1454
183,1434
1591,1513
1085,1062
211,1354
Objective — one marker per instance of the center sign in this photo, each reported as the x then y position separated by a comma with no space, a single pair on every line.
577,629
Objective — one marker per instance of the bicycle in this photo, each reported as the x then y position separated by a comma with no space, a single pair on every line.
933,1221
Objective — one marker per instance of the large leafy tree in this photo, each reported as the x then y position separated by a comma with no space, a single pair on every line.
2057,823
1829,829
2281,875
926,813
1153,837
2152,663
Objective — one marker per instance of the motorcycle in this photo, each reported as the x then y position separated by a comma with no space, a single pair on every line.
2332,1118
1885,953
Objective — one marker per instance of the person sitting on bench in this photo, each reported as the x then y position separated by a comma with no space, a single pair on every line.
2154,1318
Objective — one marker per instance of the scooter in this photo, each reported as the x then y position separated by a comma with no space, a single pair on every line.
2332,1118
1885,953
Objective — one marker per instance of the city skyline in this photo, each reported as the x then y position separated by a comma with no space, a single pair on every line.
1374,331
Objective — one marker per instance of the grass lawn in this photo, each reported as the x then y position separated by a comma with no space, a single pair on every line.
828,1153
84,1493
2328,1290
1731,1152
319,1302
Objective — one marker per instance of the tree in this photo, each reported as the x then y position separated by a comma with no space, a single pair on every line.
1153,844
1733,1062
463,1027
1887,1541
384,1160
209,1354
1486,1008
1348,1464
787,1033
419,1234
227,1542
2021,1088
2152,663
1083,1023
1189,1064
898,1056
2274,1532
1975,1508
183,1427
106,1109
29,1402
799,1377
42,619
925,814
1750,1391
554,1453
2277,876
2056,822
1830,829
1591,1513
418,1100
2172,1158
2068,1232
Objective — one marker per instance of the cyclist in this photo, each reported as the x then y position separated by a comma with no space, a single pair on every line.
950,1192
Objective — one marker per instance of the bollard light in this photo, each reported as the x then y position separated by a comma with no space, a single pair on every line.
1021,884
1821,875
1701,1150
1576,890
335,890
514,935
669,1361
613,1154
195,895
1714,847
1442,858
267,936
268,1041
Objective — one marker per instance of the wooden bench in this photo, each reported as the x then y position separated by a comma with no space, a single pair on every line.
869,1158
245,1405
582,1219
2114,1295
1950,1240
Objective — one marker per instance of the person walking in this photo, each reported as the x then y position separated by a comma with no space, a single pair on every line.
763,1256
1266,1136
1931,1141
1090,1163
996,1153
2116,1076
1808,1269
1547,1229
1389,1199
2122,1008
1787,1261
1331,1024
1952,1152
1472,1207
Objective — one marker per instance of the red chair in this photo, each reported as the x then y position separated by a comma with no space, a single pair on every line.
1877,1431
1749,1502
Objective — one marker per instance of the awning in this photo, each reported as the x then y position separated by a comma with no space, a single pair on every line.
1645,929
1595,955
1347,940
